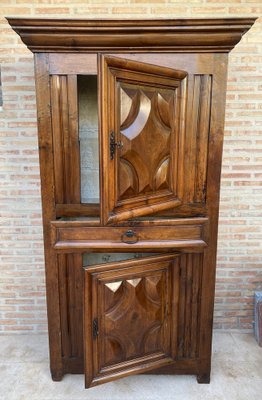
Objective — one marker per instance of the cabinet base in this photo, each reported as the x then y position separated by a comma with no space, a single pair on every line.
182,367
57,376
203,378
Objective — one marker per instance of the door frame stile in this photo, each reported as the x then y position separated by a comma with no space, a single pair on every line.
45,142
210,230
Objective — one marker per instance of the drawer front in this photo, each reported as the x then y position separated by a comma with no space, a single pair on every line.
68,238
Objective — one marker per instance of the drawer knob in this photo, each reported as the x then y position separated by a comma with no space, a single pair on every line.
129,237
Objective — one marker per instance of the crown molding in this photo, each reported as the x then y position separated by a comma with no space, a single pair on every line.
162,35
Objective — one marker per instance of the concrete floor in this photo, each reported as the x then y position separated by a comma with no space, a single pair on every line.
236,375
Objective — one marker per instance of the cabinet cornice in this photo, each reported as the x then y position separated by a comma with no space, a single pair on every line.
171,35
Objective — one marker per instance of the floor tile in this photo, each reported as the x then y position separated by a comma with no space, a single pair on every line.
236,375
23,348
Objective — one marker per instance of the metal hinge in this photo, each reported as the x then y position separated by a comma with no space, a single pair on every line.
95,328
114,144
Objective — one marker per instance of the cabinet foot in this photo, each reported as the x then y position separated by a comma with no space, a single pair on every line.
203,378
57,375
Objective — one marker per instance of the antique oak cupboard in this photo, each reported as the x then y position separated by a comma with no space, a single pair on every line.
130,123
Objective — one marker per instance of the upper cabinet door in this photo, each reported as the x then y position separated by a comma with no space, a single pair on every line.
142,138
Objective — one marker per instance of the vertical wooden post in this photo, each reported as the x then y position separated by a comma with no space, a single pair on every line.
48,207
212,201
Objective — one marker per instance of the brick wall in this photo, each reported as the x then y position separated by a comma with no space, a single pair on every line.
22,291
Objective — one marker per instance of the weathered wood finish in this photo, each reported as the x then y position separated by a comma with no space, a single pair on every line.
158,61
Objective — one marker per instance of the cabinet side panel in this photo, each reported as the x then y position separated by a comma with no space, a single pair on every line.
189,305
215,147
48,206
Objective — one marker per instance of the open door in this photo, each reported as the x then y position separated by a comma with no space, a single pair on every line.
141,138
130,317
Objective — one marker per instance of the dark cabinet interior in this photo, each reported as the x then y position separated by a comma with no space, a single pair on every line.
130,140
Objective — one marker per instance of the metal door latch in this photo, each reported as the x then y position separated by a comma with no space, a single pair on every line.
95,328
114,144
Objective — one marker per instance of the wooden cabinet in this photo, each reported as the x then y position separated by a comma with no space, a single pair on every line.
130,123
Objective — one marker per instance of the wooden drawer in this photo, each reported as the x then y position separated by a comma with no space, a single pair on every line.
76,236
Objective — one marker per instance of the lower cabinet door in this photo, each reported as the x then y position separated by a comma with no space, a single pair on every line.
130,317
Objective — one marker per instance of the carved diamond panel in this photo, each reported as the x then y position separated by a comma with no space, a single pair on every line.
133,317
146,124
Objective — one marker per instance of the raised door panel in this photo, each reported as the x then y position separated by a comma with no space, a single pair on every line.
190,289
197,138
130,313
146,135
64,111
142,138
71,311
